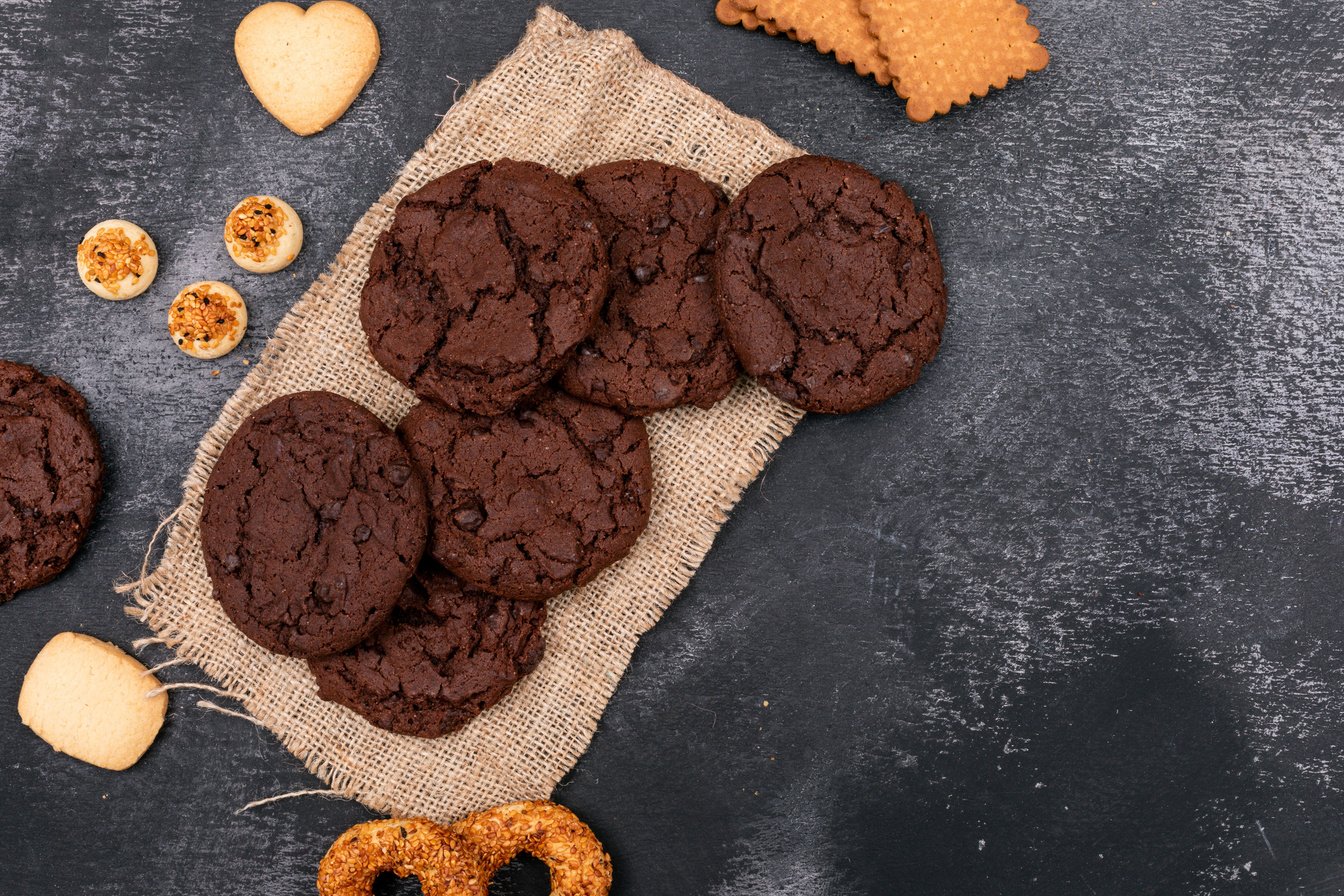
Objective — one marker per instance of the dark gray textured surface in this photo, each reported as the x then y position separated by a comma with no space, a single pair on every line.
1064,618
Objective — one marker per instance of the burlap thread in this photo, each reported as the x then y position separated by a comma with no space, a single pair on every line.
568,98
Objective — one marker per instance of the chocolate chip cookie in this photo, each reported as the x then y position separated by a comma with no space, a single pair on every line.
51,476
485,283
536,501
829,285
314,519
446,655
658,343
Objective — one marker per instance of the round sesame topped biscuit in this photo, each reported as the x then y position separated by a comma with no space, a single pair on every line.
263,234
117,260
207,319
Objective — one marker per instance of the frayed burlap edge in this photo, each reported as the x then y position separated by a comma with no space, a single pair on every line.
568,98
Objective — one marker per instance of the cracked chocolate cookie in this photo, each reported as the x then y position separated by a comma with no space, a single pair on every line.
51,476
658,343
829,285
536,501
485,283
314,520
446,655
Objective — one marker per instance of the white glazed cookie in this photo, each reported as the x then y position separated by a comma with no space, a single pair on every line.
117,260
263,234
306,66
88,699
207,319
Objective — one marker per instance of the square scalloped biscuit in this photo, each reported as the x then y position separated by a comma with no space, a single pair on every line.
306,66
946,52
832,26
729,14
87,698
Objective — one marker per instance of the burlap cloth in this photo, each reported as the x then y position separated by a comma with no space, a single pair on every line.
568,98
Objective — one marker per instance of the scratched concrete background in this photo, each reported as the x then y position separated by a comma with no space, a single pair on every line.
1063,618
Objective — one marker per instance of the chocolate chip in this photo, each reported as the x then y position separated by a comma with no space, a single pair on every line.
588,350
362,534
660,224
468,518
331,511
529,417
642,273
231,562
322,591
700,278
397,474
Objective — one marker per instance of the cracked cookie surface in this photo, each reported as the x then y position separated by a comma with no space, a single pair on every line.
658,343
51,476
445,655
487,280
829,284
314,519
536,501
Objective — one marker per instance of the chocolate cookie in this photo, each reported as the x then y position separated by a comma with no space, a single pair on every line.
829,285
446,655
51,476
314,519
658,343
533,502
485,283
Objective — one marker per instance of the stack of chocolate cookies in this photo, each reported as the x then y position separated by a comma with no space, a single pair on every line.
539,319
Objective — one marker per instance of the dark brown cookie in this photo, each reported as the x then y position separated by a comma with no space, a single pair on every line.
314,519
829,285
485,283
533,502
446,655
51,476
658,343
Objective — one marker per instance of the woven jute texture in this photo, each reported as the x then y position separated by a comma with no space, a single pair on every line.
567,98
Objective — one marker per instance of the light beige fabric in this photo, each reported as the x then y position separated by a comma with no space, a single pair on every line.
568,98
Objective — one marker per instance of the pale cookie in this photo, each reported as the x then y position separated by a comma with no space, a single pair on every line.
306,66
207,319
263,234
117,260
90,700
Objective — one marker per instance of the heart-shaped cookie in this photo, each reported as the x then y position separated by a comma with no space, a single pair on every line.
307,66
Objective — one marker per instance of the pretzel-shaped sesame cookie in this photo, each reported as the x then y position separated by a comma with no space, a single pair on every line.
460,860
444,863
579,866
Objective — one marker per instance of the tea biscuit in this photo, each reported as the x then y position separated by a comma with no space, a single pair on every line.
944,53
51,476
658,343
533,502
207,319
829,284
313,520
729,14
445,655
117,260
307,66
263,234
832,26
92,701
484,285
